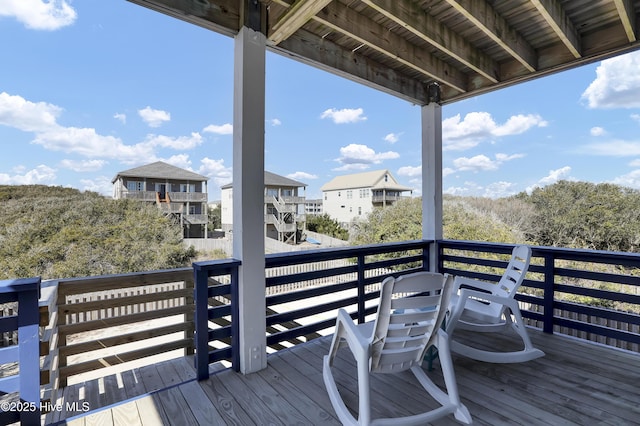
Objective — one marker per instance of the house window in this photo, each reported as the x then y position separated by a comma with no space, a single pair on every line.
273,192
359,210
386,178
349,194
187,187
134,185
325,197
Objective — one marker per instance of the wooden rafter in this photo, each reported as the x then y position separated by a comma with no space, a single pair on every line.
553,13
364,31
412,18
627,17
354,25
295,17
483,16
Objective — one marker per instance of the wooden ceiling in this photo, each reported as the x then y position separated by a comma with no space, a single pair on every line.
401,46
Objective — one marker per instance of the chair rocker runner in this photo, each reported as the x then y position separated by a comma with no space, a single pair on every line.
489,307
408,321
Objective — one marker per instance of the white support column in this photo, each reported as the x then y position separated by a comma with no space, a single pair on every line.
248,198
432,173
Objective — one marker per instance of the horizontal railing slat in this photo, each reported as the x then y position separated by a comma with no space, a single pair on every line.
122,320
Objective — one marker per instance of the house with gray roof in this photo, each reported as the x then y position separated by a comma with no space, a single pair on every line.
351,197
181,194
284,215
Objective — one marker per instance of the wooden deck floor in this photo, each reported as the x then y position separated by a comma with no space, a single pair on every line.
576,383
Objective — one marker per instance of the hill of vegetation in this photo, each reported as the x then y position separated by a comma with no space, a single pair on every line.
566,214
57,232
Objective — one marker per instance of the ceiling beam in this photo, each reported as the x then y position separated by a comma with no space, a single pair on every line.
326,55
627,17
295,17
412,18
362,30
554,15
486,19
221,16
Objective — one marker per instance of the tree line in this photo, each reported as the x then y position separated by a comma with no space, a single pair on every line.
56,232
566,214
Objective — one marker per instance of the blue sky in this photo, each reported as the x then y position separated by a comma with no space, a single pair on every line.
91,88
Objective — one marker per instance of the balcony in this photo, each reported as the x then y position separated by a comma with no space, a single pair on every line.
134,345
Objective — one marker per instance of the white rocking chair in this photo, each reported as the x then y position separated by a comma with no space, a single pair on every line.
408,321
491,307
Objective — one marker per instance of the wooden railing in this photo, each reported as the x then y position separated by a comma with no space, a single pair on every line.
25,383
109,320
594,295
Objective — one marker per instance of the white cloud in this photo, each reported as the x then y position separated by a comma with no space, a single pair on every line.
224,129
630,180
479,162
635,117
83,166
216,170
410,171
101,185
635,163
38,14
614,148
500,189
42,174
360,157
154,117
597,131
482,162
392,137
469,188
302,176
617,83
275,122
463,134
17,112
448,171
181,142
341,116
553,177
120,117
180,160
41,119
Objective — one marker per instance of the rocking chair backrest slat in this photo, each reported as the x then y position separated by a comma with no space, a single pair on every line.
404,325
515,272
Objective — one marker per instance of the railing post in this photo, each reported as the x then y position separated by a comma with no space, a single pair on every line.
27,352
201,298
29,342
235,323
361,292
549,292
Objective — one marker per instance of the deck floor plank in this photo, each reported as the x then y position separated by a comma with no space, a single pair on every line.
200,405
230,409
126,414
150,413
297,397
575,383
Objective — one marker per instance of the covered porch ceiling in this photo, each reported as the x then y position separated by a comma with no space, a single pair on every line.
468,47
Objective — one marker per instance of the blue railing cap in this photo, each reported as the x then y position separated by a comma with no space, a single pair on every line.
19,285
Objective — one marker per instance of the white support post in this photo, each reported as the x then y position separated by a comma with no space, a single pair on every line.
432,174
248,198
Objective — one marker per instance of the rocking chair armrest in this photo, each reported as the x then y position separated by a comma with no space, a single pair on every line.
465,294
474,284
346,329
